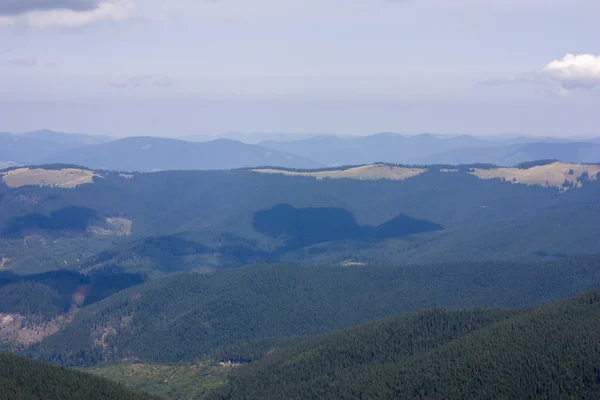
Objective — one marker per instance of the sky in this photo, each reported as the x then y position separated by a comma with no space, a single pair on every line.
186,67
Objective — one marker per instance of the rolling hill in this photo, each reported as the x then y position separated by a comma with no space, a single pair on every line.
33,147
236,150
434,149
136,273
383,147
72,139
576,152
16,150
547,352
82,219
151,154
199,380
186,317
560,229
33,307
22,379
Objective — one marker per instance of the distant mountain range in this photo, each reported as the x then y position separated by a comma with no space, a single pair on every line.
237,150
383,147
32,147
152,154
250,138
433,149
579,152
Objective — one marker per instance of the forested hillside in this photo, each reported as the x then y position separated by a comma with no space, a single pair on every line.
548,352
50,294
555,232
218,219
33,307
231,266
184,317
22,379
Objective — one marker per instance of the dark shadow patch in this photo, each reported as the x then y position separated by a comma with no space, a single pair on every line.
404,225
68,219
53,293
308,226
176,253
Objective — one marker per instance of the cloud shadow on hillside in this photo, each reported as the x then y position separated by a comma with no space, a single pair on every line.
309,226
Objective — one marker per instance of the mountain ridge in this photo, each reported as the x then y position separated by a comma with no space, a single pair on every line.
546,352
145,154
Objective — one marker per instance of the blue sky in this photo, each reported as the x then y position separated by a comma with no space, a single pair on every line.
181,67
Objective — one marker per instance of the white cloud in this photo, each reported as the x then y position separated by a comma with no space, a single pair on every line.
575,71
106,10
563,76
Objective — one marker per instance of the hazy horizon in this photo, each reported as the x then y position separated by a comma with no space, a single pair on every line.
185,67
301,135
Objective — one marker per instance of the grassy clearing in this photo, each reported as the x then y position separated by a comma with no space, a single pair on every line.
553,174
181,382
63,178
366,172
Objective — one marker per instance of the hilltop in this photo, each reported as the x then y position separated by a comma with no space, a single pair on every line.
436,149
155,154
237,150
551,174
547,352
60,216
187,317
22,379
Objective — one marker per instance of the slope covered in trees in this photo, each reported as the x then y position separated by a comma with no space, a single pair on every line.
229,200
566,227
219,217
548,352
184,317
225,219
22,379
210,205
50,294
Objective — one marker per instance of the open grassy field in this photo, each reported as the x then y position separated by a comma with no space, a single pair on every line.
181,382
553,174
63,178
366,172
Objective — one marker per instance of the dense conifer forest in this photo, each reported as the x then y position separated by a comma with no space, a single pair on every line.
549,352
228,282
22,379
186,317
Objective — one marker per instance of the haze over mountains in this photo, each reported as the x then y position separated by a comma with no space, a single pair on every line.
149,154
33,147
237,150
226,274
188,284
